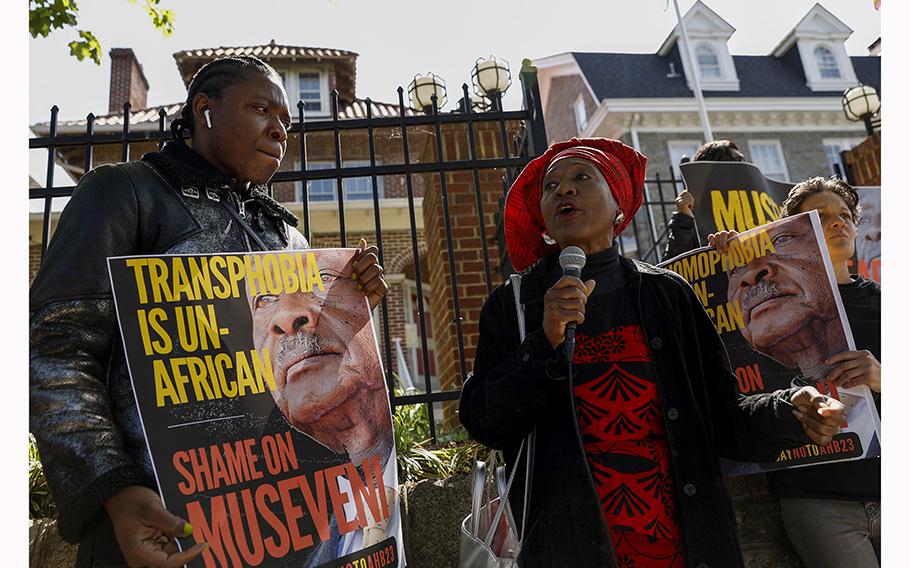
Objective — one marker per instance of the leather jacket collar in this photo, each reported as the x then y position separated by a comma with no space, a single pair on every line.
183,166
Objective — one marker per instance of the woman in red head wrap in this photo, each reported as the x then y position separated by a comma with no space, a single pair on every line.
625,469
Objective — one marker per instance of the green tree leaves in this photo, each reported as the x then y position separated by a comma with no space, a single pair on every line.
45,16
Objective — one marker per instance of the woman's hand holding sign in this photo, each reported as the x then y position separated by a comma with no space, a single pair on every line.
820,415
146,531
721,239
856,368
369,274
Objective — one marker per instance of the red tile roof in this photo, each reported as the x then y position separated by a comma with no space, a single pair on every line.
147,119
271,50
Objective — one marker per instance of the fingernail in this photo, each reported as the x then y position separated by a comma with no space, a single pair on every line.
359,287
187,529
353,276
206,546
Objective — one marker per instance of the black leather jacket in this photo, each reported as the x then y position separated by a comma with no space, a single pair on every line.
82,409
514,389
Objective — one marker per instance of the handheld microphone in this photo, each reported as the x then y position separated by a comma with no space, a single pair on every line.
572,260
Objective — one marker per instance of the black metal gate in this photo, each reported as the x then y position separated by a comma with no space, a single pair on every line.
521,136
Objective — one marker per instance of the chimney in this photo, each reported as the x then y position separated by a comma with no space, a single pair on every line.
128,82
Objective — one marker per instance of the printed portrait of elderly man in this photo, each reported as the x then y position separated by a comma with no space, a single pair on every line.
869,228
787,303
329,381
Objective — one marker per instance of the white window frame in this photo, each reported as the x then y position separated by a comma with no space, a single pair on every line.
410,286
783,175
841,144
832,59
679,148
324,164
716,66
581,113
291,79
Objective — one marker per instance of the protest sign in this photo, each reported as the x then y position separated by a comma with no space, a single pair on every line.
774,301
264,406
732,196
868,258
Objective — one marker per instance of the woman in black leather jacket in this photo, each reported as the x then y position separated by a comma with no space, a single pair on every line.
179,200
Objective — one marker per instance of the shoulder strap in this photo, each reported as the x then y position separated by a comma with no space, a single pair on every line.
529,443
246,227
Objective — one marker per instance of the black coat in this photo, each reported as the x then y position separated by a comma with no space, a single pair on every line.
82,408
511,392
681,235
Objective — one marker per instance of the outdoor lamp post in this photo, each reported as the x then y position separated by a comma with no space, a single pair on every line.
861,103
422,89
491,78
478,104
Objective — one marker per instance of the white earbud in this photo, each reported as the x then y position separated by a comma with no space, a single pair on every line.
208,118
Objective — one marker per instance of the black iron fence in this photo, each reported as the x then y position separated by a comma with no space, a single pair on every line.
428,149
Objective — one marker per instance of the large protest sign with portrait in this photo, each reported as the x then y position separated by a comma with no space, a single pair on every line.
775,304
732,196
262,396
868,258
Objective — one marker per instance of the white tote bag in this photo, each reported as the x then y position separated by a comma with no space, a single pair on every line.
490,537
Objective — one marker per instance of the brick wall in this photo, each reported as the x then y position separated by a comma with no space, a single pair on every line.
468,256
127,81
560,111
355,147
864,163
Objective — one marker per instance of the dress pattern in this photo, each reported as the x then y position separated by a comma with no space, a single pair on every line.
622,426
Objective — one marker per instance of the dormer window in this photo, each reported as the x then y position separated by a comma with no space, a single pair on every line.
827,63
708,64
311,91
310,85
709,60
819,39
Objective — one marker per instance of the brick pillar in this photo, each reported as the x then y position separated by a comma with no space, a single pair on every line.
466,241
128,82
864,163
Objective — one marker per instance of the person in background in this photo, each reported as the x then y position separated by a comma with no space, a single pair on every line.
832,512
682,235
626,469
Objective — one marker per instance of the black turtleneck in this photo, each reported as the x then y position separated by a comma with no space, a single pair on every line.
605,269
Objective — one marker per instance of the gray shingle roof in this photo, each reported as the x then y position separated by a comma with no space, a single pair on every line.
633,75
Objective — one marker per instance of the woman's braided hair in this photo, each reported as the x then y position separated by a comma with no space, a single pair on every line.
212,78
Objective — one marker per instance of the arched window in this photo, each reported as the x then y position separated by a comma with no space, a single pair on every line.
708,64
827,63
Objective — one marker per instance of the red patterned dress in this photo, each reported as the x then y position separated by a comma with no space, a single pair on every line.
621,422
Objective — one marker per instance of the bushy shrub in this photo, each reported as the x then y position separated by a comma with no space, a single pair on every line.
40,502
419,458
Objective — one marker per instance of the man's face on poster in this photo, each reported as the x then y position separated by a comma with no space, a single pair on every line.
783,294
320,344
869,229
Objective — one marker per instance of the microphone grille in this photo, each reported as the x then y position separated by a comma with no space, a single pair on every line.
572,257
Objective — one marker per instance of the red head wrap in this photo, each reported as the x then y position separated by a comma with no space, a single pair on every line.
623,168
